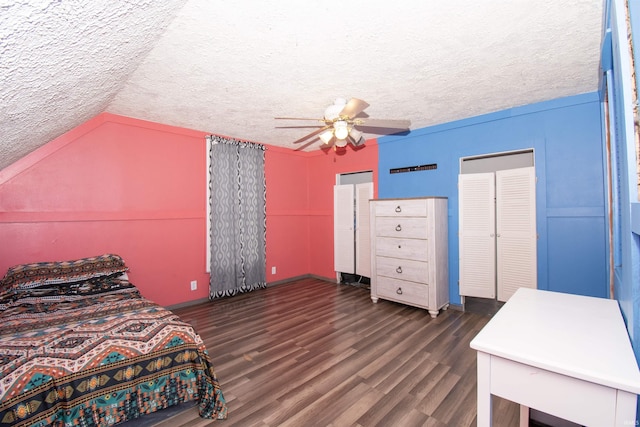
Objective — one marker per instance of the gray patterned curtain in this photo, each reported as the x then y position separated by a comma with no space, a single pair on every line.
238,217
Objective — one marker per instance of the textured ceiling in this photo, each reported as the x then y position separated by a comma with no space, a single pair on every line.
230,66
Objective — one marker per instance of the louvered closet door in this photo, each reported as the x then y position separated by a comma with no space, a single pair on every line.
516,231
476,194
343,222
364,192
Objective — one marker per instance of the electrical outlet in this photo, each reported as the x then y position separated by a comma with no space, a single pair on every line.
273,270
194,285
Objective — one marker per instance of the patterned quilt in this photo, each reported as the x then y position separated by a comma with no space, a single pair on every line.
95,353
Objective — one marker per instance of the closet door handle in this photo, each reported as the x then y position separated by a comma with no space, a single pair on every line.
398,227
399,291
399,270
398,209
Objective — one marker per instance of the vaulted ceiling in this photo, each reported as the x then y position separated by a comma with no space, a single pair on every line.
230,66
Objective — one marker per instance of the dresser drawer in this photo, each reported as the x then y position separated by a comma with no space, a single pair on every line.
401,208
414,249
403,269
401,291
415,228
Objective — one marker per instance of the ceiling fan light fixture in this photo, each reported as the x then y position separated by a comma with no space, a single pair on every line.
326,136
341,143
356,136
341,129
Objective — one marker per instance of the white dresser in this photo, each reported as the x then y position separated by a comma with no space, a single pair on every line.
409,252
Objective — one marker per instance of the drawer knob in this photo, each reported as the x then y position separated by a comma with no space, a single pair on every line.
398,227
399,247
399,291
399,270
398,209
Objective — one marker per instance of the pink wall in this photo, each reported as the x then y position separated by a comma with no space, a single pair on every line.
138,189
287,218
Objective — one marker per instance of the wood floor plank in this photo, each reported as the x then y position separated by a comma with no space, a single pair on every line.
465,413
314,353
438,393
413,418
357,408
412,378
293,402
322,407
429,380
377,413
400,375
454,399
399,411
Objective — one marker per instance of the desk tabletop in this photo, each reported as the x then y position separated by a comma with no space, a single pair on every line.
579,336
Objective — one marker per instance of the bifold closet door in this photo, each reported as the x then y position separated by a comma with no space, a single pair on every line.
497,233
364,193
516,231
477,222
343,229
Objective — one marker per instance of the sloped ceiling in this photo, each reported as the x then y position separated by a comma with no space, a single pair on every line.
230,66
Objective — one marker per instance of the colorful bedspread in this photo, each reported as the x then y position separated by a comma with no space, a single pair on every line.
95,353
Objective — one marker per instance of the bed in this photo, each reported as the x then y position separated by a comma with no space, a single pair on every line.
79,345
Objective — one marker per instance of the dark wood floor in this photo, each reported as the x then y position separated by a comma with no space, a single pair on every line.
314,353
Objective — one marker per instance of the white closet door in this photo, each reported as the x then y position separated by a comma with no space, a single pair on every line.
364,193
476,196
516,231
343,223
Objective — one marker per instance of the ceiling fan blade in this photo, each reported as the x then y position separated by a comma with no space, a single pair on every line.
354,107
298,118
314,133
383,131
298,127
381,123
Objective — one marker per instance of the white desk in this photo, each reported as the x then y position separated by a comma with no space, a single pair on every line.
565,355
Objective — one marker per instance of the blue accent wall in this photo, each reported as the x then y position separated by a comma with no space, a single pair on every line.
566,136
618,84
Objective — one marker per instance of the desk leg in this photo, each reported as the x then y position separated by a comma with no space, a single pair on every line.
484,390
625,409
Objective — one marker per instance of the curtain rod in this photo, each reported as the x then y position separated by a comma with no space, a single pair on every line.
215,139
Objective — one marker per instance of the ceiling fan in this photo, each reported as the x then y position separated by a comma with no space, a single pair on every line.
343,122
